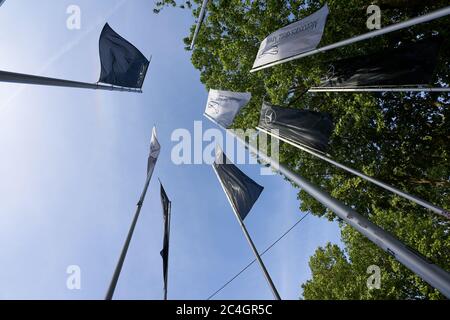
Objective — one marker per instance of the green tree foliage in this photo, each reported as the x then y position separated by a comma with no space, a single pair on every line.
402,139
159,5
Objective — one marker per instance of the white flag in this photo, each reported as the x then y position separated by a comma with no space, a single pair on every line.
298,37
223,106
155,148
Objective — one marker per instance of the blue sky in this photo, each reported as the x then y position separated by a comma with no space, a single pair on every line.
73,163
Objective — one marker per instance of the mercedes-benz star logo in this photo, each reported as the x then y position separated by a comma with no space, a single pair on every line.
270,116
272,50
214,107
331,72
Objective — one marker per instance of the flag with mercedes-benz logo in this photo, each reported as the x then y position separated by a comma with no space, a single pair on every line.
407,65
223,106
122,64
308,128
298,37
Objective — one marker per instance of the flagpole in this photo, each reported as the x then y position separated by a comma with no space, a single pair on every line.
213,120
430,273
13,77
115,278
379,89
398,26
250,241
423,203
199,22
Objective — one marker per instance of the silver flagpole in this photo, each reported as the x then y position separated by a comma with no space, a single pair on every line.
213,120
250,241
430,273
379,183
13,77
379,89
398,26
199,22
115,278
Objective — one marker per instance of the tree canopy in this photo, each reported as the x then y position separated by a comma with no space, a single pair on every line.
400,138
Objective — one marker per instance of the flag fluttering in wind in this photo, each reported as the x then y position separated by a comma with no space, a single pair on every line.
123,68
308,128
155,148
242,193
166,206
411,64
293,39
375,33
240,189
223,106
122,64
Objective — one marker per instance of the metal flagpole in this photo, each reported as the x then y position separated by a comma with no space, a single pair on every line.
250,241
379,183
115,278
377,89
213,120
13,77
398,26
199,23
430,273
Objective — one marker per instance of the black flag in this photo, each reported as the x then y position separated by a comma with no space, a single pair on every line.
411,64
122,64
166,205
308,128
240,189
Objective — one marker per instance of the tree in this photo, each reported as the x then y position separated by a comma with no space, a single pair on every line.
332,276
166,3
402,139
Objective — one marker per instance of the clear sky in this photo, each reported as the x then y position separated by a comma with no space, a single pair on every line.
73,164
